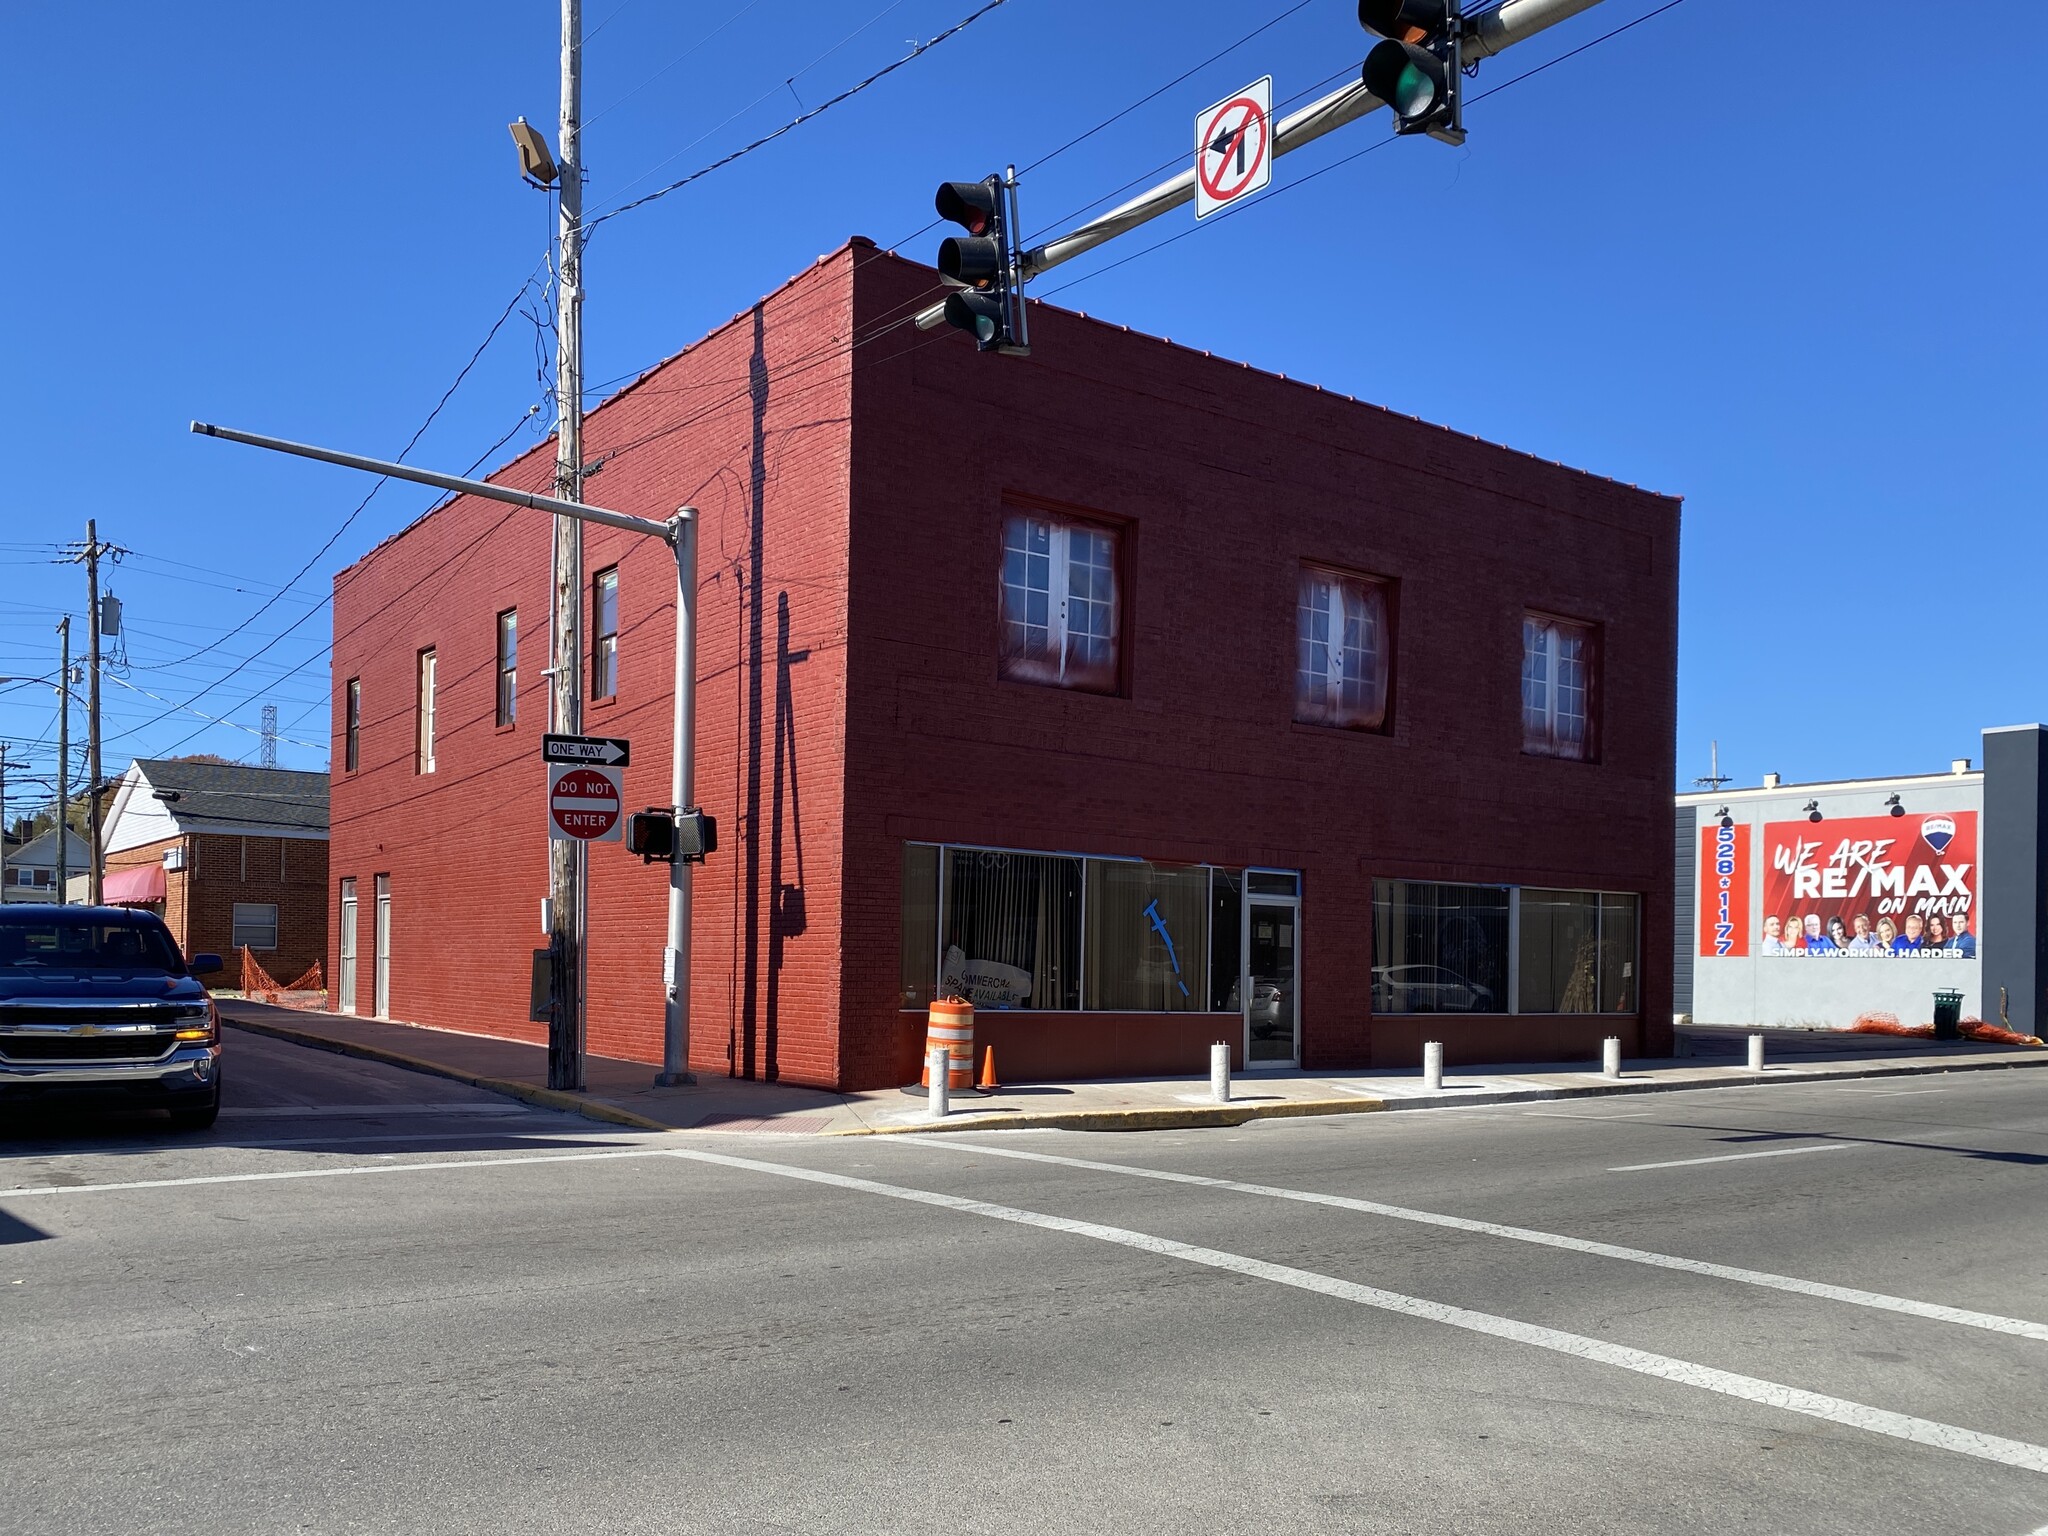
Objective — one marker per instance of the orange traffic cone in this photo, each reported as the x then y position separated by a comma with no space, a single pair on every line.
987,1083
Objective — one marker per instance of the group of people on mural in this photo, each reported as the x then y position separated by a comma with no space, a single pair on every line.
1933,934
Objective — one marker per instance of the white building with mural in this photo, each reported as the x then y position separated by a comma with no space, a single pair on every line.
1818,904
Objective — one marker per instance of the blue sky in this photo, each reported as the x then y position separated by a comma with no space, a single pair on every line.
1748,266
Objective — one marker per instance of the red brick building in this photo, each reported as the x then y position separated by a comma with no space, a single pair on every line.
227,855
1147,698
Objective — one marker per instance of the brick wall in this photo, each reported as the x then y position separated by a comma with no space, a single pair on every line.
1224,480
748,425
851,505
223,869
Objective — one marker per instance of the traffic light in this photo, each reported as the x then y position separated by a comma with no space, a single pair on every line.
1415,66
990,303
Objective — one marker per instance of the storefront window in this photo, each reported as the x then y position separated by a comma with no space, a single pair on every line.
1618,959
1147,945
1226,938
1578,953
1560,952
1012,929
920,923
1439,948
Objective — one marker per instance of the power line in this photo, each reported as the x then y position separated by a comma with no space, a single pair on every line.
1360,154
797,122
412,442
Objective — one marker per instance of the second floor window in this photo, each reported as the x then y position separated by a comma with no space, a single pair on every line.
508,666
1059,602
604,652
1341,651
424,761
352,724
1558,673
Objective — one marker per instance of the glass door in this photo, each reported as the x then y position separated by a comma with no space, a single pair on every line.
1272,950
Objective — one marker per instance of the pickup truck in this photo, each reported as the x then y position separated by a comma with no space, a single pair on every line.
97,1002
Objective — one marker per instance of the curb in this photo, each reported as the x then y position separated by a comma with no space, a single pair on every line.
532,1093
1163,1118
1200,1116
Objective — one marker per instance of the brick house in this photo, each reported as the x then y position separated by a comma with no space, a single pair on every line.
227,855
1145,698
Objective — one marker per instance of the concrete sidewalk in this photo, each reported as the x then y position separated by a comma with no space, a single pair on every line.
622,1092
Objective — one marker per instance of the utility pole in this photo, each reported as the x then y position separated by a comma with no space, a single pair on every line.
4,766
64,761
91,556
568,862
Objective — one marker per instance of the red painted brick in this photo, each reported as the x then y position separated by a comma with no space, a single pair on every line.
851,499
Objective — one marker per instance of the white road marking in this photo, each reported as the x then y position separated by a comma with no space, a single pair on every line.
1558,1114
532,1137
1770,1394
1989,1321
372,1111
1733,1157
350,1171
1893,1093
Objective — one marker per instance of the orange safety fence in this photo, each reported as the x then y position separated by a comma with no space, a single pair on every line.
308,991
1969,1029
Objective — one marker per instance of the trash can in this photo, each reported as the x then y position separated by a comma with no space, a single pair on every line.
1948,1013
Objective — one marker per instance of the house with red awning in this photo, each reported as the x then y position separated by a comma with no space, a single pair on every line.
228,855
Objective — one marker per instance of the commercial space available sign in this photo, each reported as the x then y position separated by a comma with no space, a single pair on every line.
1858,887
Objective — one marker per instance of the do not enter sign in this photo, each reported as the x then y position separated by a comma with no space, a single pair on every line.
583,803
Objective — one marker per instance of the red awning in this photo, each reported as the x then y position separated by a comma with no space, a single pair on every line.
133,887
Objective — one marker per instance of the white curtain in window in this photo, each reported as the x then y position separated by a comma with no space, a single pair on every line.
1059,603
1557,687
1341,656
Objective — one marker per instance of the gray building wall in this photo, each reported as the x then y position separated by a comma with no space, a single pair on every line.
2015,953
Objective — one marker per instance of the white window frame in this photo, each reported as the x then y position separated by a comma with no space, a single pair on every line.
604,644
1319,690
1551,681
424,754
1043,653
254,924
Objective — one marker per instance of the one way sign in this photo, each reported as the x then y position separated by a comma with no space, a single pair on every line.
610,751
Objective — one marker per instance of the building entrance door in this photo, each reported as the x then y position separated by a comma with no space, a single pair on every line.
1272,950
347,979
380,959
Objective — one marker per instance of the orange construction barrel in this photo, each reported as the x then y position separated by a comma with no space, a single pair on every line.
950,1024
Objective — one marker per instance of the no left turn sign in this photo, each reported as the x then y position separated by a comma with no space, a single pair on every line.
1234,148
583,803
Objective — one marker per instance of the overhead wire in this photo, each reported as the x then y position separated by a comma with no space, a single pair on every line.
412,442
1360,154
798,121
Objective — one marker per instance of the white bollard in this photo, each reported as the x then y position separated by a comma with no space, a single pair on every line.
1219,1072
1610,1056
939,1068
1432,1066
1756,1053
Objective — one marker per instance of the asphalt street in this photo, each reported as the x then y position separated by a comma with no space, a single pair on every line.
374,1301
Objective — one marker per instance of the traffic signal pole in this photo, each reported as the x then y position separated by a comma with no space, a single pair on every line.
680,534
1486,35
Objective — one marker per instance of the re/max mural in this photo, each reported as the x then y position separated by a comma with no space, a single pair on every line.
1859,887
1871,887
